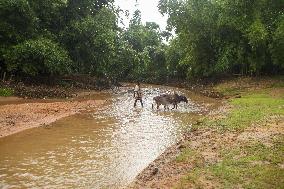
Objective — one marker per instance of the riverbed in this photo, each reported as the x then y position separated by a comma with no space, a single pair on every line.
101,147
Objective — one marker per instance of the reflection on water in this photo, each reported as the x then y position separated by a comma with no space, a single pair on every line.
103,148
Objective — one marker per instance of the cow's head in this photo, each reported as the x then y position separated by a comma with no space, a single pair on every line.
183,99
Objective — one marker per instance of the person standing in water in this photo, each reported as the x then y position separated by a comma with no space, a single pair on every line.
138,94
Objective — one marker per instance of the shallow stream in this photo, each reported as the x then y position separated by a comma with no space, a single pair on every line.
104,147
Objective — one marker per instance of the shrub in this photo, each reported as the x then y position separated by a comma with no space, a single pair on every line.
6,92
38,56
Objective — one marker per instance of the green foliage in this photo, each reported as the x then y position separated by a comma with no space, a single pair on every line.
17,21
225,37
91,41
39,56
57,36
6,92
176,69
49,14
277,45
125,61
212,38
146,41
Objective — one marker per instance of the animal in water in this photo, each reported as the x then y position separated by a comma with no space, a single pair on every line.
166,99
179,99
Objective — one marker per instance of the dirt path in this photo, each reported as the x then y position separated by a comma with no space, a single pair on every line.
18,117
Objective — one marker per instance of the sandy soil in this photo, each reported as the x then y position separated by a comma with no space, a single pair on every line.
18,117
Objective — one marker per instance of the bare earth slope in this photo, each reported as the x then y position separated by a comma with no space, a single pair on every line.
18,117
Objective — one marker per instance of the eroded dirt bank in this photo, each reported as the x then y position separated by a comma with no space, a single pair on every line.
18,117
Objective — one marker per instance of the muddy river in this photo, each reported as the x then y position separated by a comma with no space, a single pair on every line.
104,147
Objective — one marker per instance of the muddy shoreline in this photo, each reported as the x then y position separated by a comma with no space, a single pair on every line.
203,147
117,122
165,171
15,118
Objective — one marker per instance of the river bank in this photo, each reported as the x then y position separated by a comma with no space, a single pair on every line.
18,117
238,145
39,105
103,147
240,138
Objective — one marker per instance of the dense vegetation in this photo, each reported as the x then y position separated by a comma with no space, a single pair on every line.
54,37
226,37
213,38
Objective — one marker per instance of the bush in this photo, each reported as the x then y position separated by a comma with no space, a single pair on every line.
38,56
6,92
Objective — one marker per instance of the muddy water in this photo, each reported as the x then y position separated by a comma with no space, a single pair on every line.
100,148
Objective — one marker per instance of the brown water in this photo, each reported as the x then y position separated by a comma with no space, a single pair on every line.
100,148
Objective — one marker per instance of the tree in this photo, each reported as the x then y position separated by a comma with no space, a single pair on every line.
83,32
277,45
226,37
90,41
146,41
39,56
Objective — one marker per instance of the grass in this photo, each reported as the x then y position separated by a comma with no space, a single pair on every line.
185,154
251,108
251,166
278,82
189,155
6,92
253,163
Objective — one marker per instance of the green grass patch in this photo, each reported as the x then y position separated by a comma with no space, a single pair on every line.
193,178
278,85
253,165
251,108
231,174
185,155
6,92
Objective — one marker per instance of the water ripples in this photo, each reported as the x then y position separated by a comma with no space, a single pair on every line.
105,148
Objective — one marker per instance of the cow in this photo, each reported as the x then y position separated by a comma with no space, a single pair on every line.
166,99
